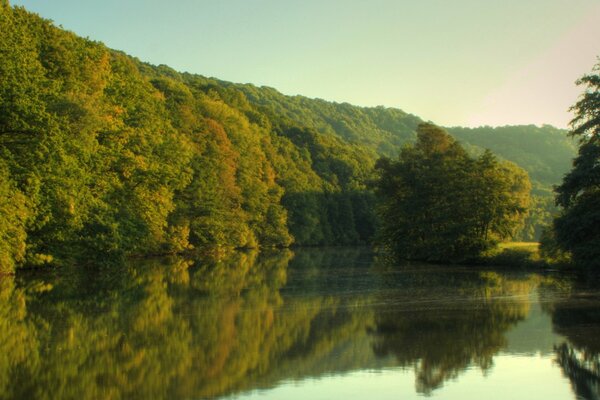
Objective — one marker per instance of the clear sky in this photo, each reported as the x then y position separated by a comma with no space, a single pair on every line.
455,62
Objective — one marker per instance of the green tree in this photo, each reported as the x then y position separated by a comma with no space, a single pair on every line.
13,217
577,228
439,204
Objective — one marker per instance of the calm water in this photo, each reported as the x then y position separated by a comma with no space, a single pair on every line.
310,324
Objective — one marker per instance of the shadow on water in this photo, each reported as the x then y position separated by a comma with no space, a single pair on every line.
177,328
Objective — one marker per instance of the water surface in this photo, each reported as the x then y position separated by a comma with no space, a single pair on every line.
317,324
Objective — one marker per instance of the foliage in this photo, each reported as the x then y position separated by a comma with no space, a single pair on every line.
103,156
541,213
577,228
13,218
439,204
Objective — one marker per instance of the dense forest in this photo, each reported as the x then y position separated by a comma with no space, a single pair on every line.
102,155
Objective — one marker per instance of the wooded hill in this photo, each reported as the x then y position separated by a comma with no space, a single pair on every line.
104,155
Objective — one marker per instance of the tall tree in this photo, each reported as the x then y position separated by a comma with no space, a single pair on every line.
577,228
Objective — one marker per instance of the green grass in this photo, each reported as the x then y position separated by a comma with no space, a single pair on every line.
514,254
529,246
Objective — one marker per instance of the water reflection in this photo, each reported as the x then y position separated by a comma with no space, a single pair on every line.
176,328
577,317
465,327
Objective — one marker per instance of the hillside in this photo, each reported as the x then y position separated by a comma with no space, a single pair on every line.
102,155
544,152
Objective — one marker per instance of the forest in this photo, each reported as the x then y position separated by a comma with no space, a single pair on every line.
104,156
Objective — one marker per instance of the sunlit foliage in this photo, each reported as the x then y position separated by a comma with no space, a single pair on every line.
103,156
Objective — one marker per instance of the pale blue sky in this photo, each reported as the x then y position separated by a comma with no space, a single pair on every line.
455,62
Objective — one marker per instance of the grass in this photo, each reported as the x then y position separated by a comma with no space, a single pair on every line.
515,254
529,246
532,247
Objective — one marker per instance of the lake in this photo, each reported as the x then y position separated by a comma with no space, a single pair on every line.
302,324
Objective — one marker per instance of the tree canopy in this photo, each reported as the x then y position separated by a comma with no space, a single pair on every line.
440,204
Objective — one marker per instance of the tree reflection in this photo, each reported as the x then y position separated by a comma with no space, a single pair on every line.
582,369
165,329
576,317
442,336
18,339
175,328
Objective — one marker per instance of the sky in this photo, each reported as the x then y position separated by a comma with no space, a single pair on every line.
453,62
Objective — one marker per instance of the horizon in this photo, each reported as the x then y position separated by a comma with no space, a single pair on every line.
502,66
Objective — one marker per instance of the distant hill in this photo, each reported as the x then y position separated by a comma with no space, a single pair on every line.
544,152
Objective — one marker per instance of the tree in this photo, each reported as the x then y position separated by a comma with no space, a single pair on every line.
439,204
13,217
577,228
